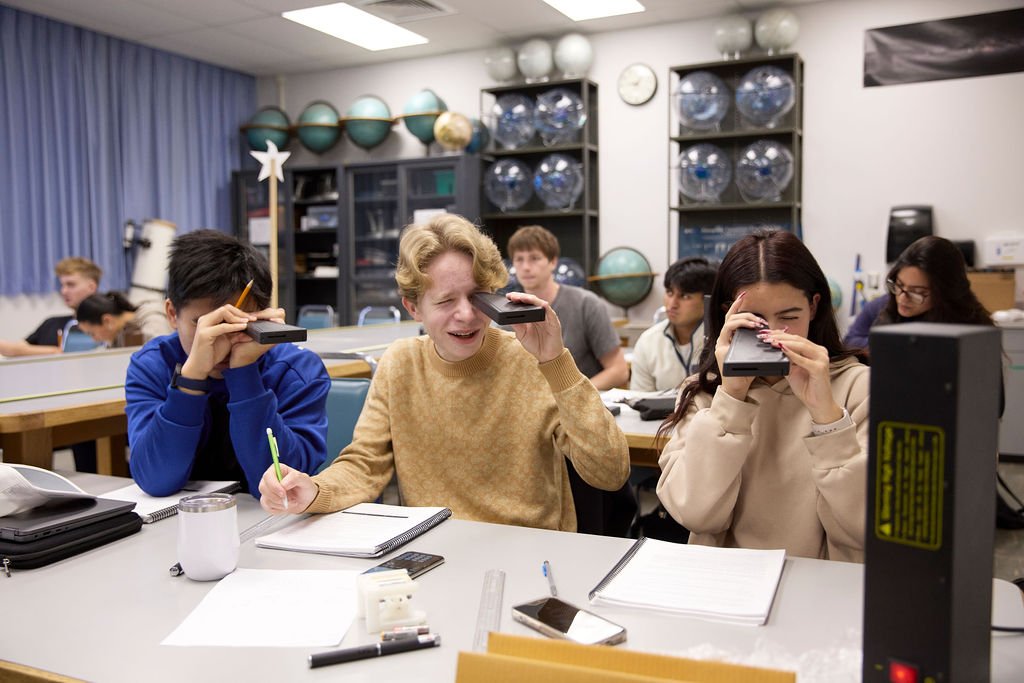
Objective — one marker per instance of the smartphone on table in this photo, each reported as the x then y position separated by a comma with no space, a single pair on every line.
414,562
558,619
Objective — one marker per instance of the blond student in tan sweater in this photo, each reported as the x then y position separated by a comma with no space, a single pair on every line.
772,462
470,417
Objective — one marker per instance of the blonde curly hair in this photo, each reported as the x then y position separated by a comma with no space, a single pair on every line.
421,243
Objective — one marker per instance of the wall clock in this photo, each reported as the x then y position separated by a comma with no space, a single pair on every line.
637,84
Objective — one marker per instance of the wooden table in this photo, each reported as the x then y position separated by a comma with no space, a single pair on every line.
49,402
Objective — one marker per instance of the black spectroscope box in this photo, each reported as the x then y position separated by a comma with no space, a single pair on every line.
931,501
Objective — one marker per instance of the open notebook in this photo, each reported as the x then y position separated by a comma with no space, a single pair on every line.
734,585
363,530
154,508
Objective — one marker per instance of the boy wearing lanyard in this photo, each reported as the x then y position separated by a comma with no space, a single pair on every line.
669,351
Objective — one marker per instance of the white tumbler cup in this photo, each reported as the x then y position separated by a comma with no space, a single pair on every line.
208,535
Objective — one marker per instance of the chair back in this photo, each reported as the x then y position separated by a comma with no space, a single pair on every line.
316,316
344,404
660,315
74,339
374,315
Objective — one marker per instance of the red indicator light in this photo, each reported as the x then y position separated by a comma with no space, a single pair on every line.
902,673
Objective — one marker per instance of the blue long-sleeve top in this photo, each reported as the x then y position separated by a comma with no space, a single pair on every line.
285,389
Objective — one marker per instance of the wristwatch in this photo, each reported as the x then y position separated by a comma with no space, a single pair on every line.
179,382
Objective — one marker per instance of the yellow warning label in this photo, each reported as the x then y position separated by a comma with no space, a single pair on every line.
908,484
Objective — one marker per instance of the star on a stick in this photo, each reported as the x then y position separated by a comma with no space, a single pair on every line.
272,157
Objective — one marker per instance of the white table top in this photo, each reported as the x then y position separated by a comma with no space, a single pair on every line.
101,615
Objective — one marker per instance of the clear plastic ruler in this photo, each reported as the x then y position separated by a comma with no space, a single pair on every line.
489,617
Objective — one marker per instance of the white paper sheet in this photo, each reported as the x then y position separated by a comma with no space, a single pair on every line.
309,608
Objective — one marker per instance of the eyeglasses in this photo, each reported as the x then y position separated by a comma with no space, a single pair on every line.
896,289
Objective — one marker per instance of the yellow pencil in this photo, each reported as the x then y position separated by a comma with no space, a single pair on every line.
245,292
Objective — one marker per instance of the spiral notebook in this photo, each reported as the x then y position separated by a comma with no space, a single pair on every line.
363,530
735,585
155,508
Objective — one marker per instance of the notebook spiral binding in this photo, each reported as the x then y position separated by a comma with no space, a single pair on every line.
617,568
422,527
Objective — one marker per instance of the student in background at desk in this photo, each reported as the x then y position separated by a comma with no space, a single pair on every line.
79,277
772,462
113,320
470,417
668,352
199,401
927,283
591,338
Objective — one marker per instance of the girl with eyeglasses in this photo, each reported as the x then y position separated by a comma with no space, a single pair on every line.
772,462
927,283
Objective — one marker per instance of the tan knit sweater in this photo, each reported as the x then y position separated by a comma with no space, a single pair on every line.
749,474
486,436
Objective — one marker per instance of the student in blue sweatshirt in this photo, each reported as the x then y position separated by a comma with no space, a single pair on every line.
199,401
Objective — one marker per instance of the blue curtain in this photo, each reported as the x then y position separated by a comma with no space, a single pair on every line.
97,131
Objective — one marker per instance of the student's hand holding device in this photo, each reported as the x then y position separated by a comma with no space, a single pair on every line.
736,386
245,350
544,338
213,340
298,486
808,375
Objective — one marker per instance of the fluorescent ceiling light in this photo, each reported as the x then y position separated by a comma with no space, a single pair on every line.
355,26
581,10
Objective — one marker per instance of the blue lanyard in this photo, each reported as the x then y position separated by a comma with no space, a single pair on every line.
675,347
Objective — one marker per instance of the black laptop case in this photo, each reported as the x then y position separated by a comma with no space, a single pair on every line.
43,551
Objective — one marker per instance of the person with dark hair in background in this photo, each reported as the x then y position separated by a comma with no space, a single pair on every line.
200,400
927,283
772,462
113,320
79,277
668,352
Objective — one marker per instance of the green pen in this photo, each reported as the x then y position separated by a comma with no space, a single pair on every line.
277,462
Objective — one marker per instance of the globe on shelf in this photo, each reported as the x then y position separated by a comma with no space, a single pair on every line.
733,35
837,294
560,115
534,60
776,29
702,100
318,126
514,120
558,181
480,138
704,172
500,63
508,184
453,131
765,95
573,55
764,170
513,278
569,272
368,121
624,276
268,123
421,112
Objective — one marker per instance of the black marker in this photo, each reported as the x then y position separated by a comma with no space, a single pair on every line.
389,647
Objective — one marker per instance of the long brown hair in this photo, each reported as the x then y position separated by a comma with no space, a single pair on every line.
951,295
770,256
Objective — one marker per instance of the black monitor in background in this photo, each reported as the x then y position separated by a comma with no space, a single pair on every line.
906,225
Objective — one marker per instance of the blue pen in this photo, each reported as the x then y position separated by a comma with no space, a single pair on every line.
546,567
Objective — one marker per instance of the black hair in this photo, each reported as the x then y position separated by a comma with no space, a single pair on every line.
951,295
93,307
772,256
690,275
207,264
